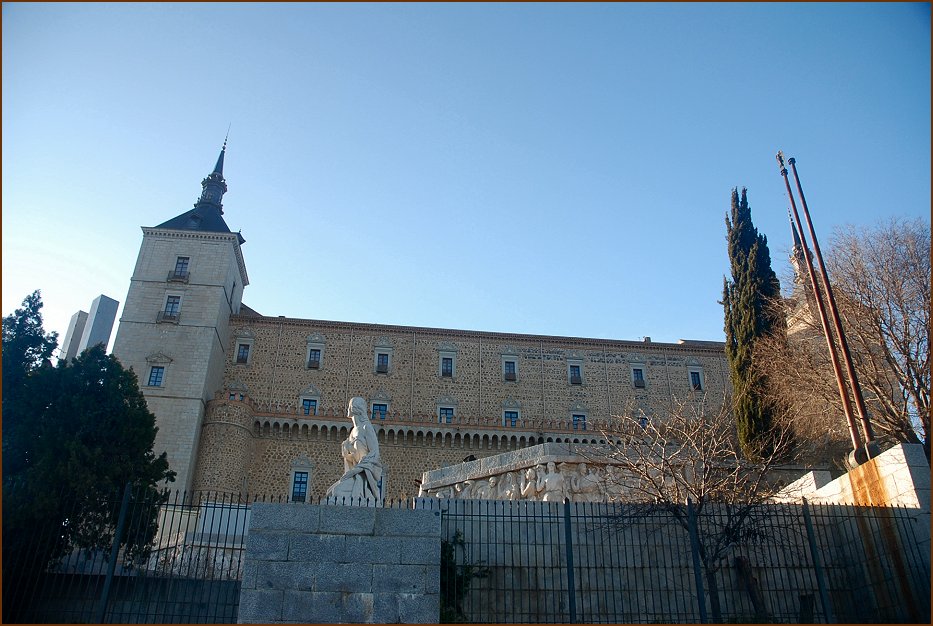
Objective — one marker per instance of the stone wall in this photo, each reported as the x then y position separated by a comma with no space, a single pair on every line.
334,564
276,377
190,348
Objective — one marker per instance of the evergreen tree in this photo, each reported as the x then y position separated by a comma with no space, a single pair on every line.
73,436
748,301
26,347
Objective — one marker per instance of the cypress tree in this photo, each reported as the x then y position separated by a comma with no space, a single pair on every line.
748,302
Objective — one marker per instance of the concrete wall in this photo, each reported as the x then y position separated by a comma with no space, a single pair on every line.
636,569
334,564
899,476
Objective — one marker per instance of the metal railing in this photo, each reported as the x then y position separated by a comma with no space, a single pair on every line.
167,316
537,562
186,569
179,558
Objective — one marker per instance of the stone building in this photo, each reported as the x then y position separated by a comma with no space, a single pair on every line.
253,403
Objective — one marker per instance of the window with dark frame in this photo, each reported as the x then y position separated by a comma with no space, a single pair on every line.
638,377
172,306
447,367
242,353
300,487
695,382
155,375
380,410
510,418
446,415
314,359
181,267
579,421
575,378
309,406
510,370
382,363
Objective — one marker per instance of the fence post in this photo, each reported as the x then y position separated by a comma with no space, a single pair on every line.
697,567
817,566
569,547
114,550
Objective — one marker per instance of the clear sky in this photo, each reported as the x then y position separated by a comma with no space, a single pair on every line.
533,168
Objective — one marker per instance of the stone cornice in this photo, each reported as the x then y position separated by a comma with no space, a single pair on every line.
233,238
582,342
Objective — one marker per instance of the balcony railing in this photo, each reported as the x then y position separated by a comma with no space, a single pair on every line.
510,376
170,317
178,276
640,384
576,380
313,365
382,369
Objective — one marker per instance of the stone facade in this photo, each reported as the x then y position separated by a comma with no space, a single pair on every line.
191,347
243,401
270,421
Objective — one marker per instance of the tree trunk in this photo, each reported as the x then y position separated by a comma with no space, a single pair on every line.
713,588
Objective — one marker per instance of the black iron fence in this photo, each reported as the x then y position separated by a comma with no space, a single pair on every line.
142,557
536,562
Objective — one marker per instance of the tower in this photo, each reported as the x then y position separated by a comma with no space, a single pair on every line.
73,336
99,323
801,303
188,280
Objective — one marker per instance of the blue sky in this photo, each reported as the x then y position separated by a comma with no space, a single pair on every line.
533,168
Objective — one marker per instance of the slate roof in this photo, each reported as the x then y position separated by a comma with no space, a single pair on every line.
207,215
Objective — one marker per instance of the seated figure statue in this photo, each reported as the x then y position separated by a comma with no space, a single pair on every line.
361,463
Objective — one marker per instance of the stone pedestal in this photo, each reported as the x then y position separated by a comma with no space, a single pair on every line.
335,564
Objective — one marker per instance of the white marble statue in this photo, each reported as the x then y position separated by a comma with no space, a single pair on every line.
510,488
529,484
486,489
585,486
464,490
361,463
551,485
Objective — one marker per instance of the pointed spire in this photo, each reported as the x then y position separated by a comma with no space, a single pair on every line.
214,186
208,210
219,168
793,228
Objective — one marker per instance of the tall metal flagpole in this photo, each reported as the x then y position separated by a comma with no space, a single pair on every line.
821,308
837,324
